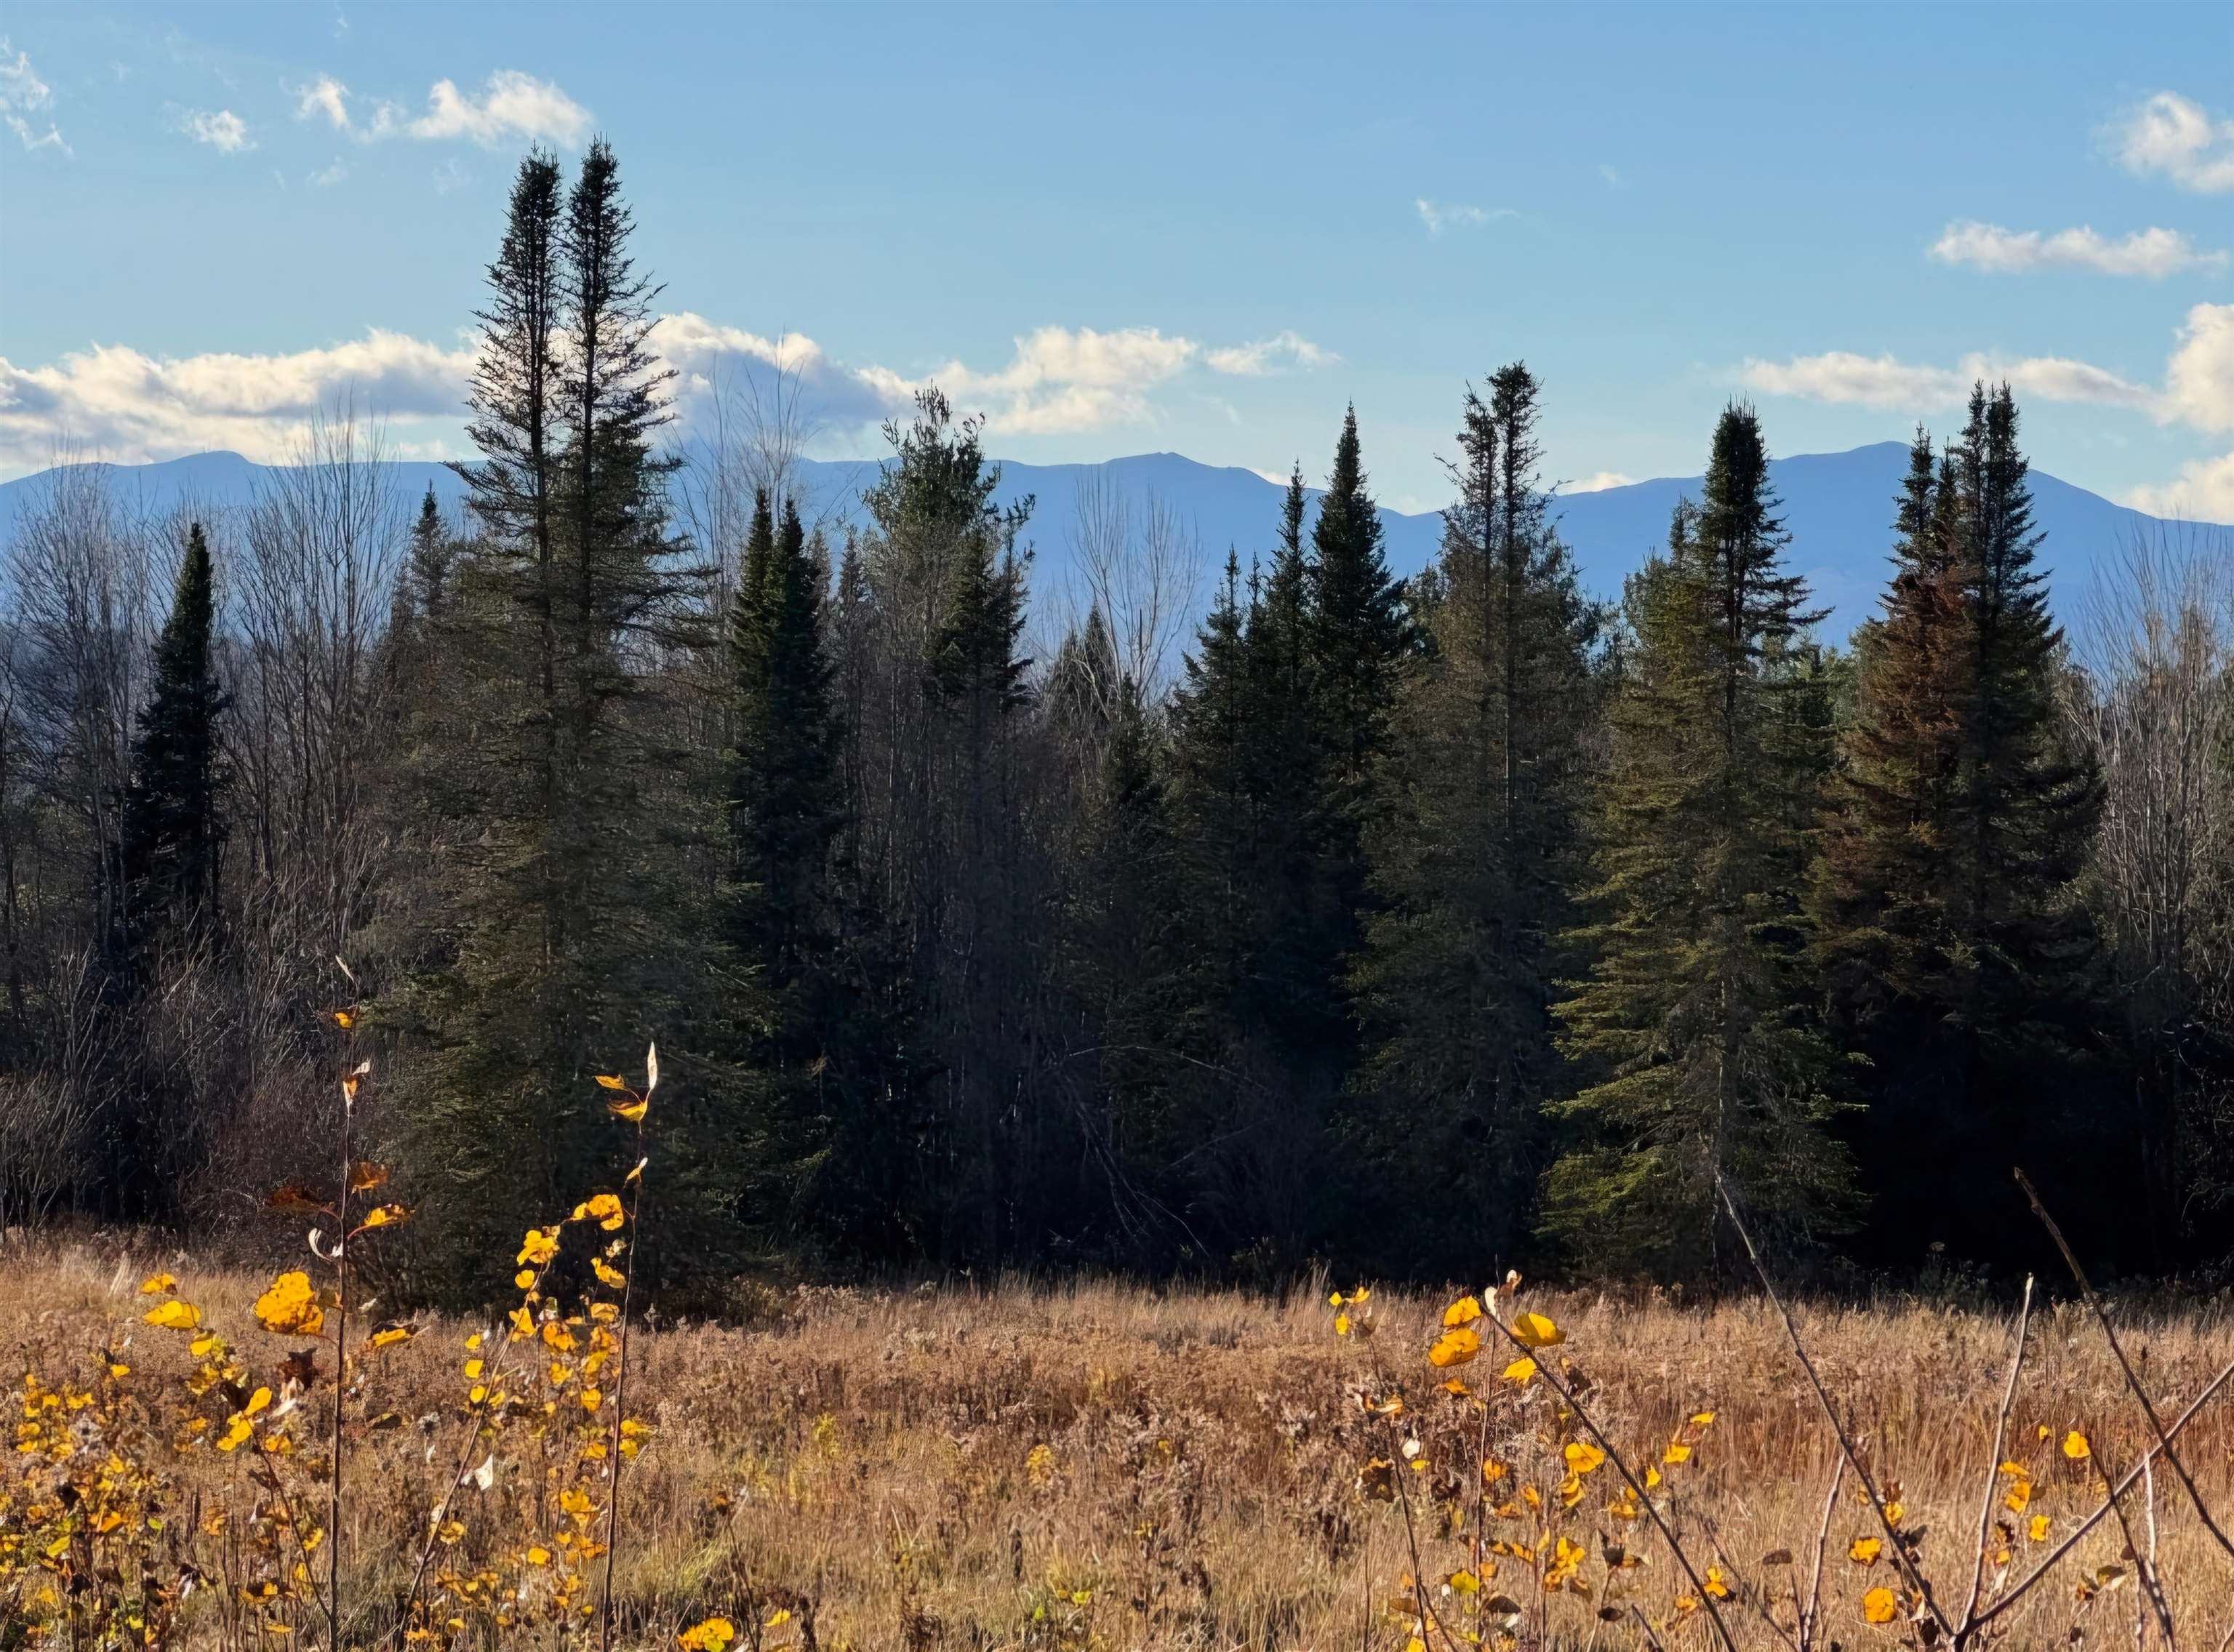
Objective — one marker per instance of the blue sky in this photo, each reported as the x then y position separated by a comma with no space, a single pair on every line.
1130,228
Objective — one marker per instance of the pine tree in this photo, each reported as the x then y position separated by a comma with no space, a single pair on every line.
428,560
560,941
782,793
1357,622
1959,959
171,842
172,833
1693,1025
1475,848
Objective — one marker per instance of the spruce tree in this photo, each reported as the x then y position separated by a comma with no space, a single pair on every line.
782,790
171,829
1693,1029
428,561
171,840
560,942
1960,960
1475,848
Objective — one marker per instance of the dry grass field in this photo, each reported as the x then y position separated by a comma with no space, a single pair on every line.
1096,1466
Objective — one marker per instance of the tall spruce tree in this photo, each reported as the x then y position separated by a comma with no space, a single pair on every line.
1959,959
789,1032
561,942
171,829
171,841
1693,1027
1475,849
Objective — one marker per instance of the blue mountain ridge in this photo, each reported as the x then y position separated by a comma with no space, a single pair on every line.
1838,507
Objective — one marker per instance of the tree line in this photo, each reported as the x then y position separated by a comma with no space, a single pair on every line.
1415,925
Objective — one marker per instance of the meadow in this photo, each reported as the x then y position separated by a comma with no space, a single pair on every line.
1098,1465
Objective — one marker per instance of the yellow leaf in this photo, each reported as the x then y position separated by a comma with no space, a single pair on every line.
1463,1311
540,1245
1716,1586
1865,1550
538,1556
174,1315
1454,1347
1677,1451
2075,1446
611,1278
290,1307
2038,1530
1700,1419
158,1285
612,1081
1341,1324
386,1216
343,1020
365,1176
1879,1606
631,1111
1533,1330
525,1279
1583,1457
1520,1370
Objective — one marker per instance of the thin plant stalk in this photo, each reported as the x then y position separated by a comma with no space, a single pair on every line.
2132,1380
1994,1459
634,1216
340,1368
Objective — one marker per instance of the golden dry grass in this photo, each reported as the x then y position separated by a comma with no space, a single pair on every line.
1102,1465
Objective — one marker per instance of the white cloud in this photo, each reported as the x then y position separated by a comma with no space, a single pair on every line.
2199,378
1438,216
1611,177
326,96
2203,491
22,93
1059,380
512,107
326,176
2177,137
2151,252
1599,483
1255,361
131,407
1886,381
224,131
126,404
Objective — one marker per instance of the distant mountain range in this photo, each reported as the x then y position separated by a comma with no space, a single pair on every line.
1838,507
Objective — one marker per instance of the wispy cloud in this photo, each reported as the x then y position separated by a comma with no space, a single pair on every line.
323,97
2198,392
511,107
2154,253
1438,216
1598,482
221,129
2177,138
1613,180
128,405
23,94
1888,382
327,177
1266,355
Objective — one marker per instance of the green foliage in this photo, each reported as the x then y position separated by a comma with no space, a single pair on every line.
1693,1024
1474,845
1957,957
